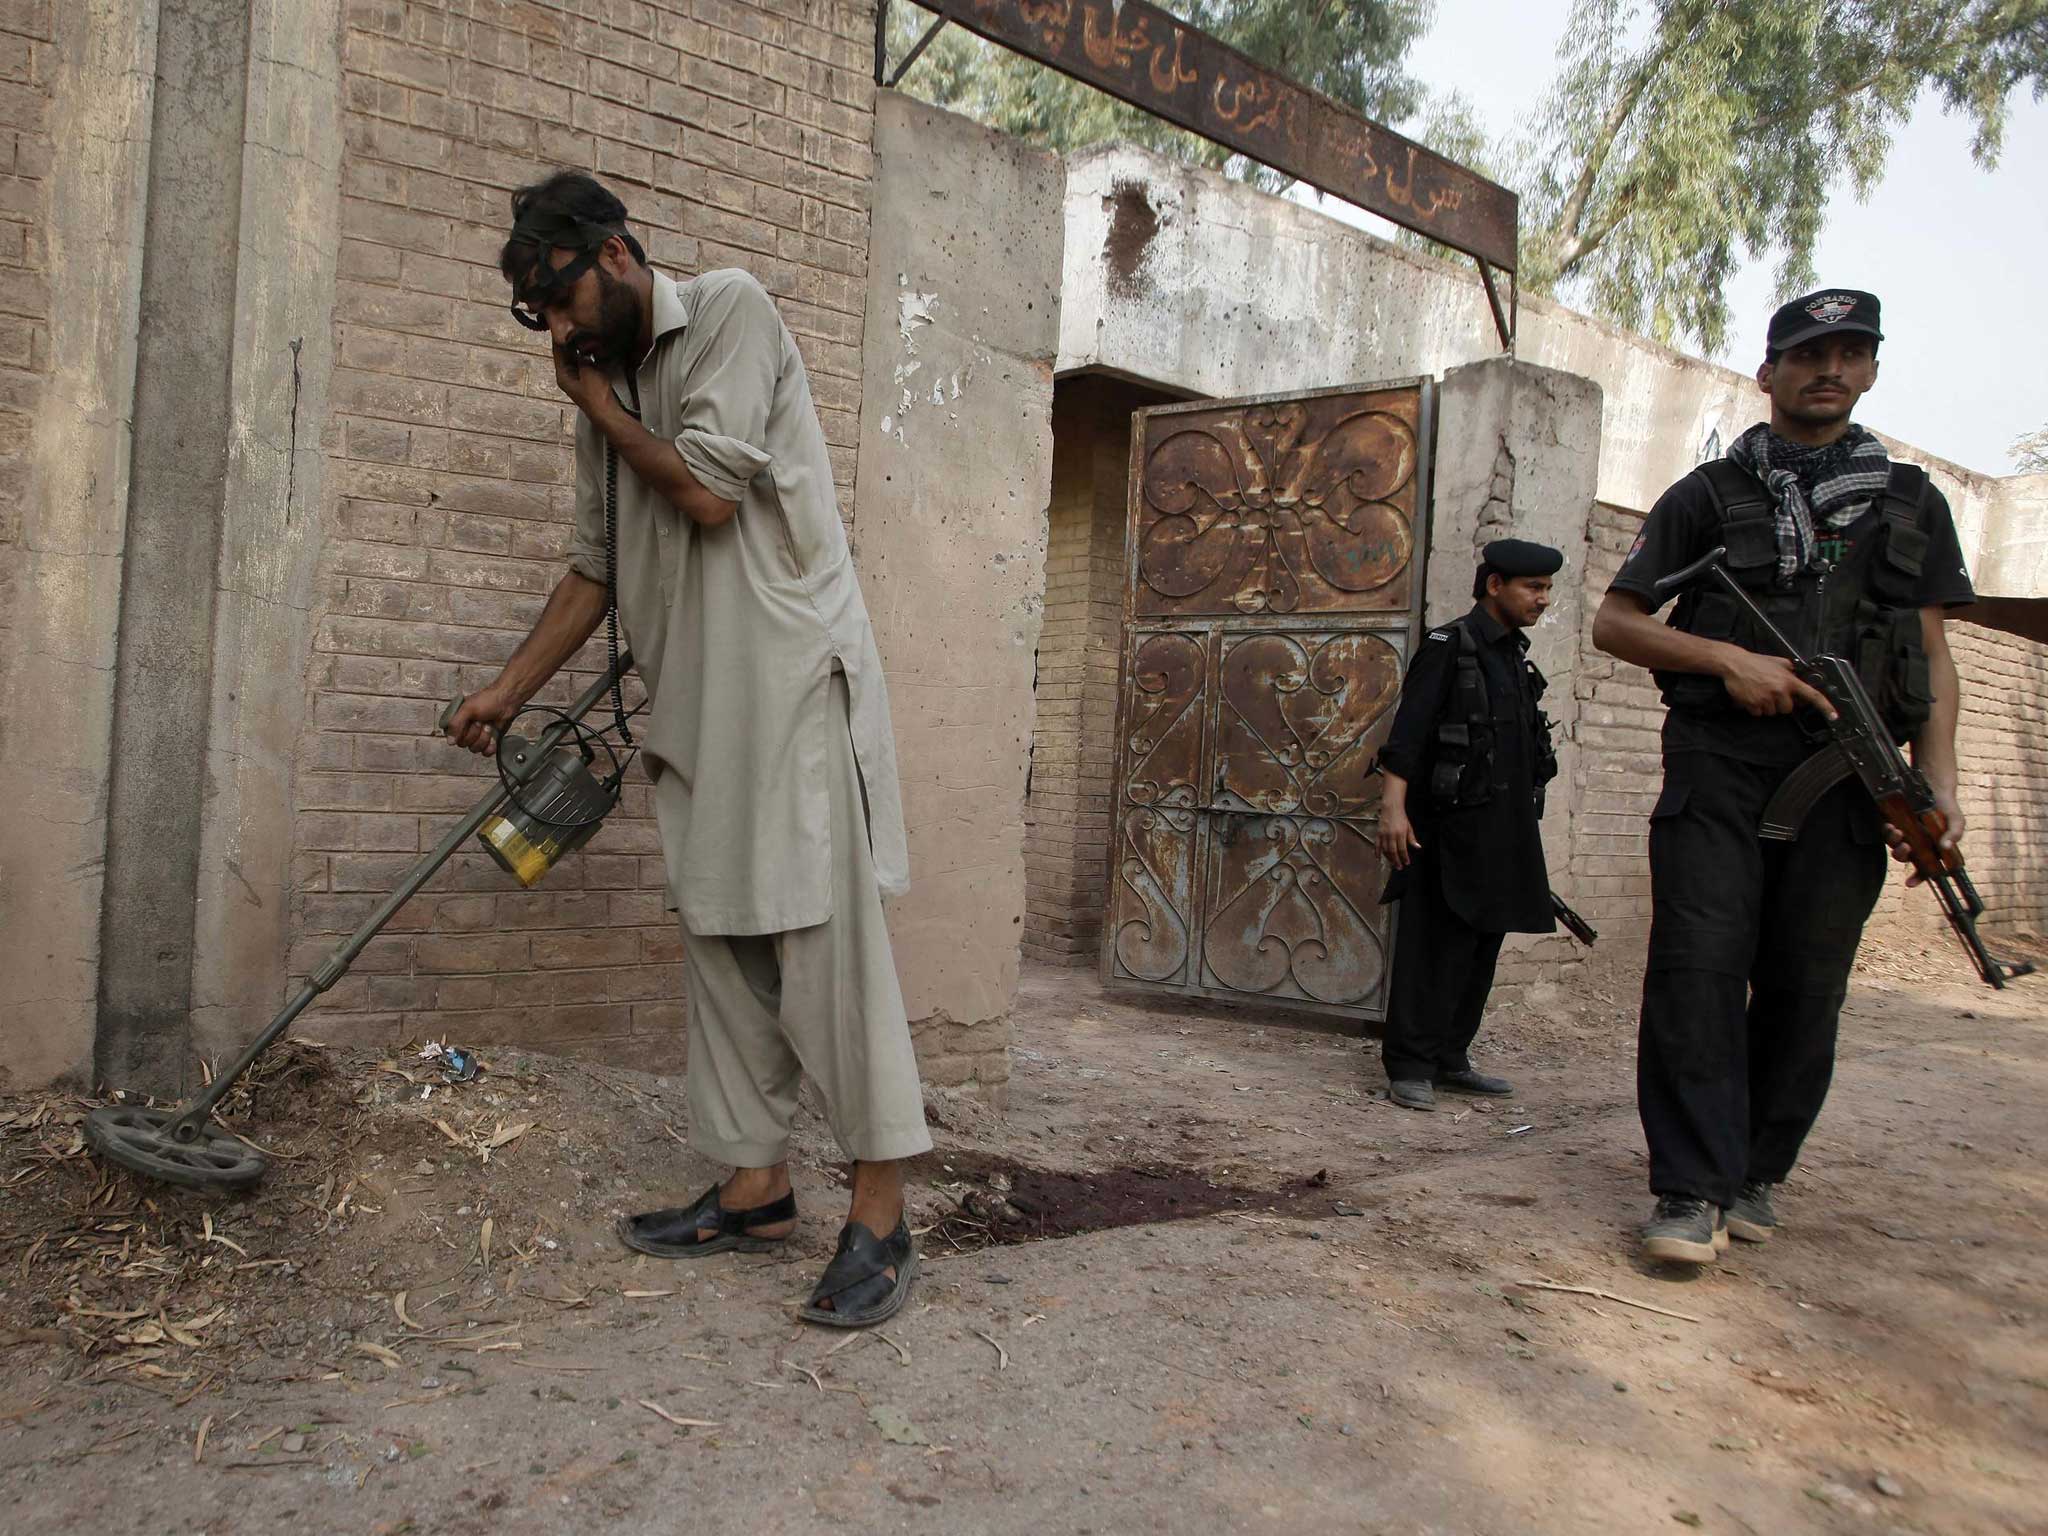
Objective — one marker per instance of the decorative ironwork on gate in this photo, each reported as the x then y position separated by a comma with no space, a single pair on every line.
1270,605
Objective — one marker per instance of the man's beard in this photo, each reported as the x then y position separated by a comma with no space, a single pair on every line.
616,340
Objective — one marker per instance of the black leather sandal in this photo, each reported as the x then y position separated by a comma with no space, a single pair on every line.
857,1283
673,1233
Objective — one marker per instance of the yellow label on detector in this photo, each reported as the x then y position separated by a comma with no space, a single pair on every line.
525,859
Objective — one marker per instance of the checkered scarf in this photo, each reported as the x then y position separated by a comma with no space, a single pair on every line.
1811,485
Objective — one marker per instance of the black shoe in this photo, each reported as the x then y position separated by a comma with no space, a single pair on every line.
1411,1093
1683,1230
857,1284
679,1233
1465,1080
1751,1217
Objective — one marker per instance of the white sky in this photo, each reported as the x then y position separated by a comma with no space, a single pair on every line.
1957,256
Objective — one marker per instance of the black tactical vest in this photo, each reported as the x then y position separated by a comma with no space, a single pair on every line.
1468,771
1863,610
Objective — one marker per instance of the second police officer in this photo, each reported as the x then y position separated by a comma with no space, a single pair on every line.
1465,764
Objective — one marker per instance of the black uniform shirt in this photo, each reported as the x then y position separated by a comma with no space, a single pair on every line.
1684,525
1490,856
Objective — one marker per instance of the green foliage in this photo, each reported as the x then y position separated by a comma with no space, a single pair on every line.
1683,134
2030,452
1350,50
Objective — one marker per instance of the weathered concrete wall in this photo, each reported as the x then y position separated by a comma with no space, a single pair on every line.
269,541
738,134
1191,280
1516,454
2017,564
75,108
955,472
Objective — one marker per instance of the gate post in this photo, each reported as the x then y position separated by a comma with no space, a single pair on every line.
1518,455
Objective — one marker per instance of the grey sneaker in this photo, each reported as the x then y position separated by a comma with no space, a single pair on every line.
1683,1230
1411,1093
1751,1217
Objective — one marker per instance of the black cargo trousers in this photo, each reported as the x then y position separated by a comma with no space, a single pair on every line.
1750,948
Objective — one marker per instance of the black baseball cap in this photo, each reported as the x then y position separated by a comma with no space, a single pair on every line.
1818,314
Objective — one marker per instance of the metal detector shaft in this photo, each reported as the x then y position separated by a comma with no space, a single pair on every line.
337,964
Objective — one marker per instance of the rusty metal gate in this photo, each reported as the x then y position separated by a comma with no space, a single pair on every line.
1272,591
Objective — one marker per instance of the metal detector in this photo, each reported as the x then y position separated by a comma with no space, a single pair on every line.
180,1145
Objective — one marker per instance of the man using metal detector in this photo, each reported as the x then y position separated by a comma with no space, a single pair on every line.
1756,918
705,517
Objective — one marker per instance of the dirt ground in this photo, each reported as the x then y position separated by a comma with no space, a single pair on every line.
1200,1278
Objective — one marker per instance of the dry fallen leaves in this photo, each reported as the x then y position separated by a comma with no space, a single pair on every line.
680,1423
504,1136
212,1236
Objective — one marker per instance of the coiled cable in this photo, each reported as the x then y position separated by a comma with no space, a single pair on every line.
611,589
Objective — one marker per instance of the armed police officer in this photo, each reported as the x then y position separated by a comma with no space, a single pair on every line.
1464,766
1751,942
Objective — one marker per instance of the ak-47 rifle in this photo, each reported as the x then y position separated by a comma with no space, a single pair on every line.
1860,744
1574,924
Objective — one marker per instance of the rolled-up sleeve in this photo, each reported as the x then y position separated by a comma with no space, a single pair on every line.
730,389
586,543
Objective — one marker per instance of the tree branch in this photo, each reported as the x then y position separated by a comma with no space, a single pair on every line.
1573,214
1586,243
1921,59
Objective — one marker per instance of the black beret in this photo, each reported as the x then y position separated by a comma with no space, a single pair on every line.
1520,557
1515,557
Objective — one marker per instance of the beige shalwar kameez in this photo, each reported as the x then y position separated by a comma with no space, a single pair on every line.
767,735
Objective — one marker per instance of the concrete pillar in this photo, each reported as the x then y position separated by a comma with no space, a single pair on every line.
222,533
163,663
954,477
57,662
272,515
1518,456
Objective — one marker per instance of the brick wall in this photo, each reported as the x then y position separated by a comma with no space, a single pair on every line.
1073,749
1620,762
25,152
738,134
2002,749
